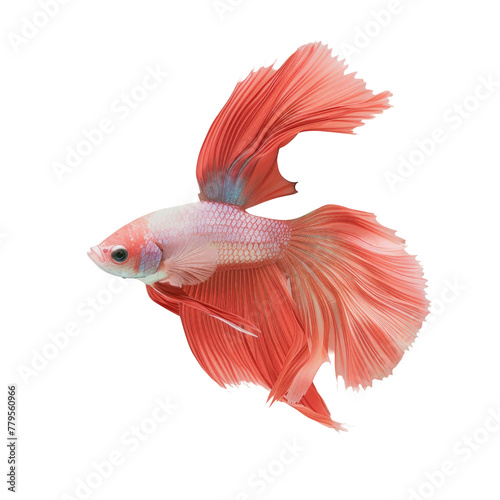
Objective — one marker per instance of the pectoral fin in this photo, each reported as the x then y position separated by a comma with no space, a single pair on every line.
189,263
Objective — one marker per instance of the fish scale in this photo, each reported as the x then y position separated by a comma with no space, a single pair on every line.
241,239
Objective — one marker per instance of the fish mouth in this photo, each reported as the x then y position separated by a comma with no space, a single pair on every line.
96,255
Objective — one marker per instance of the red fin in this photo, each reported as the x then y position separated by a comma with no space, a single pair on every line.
313,407
238,160
189,262
163,300
358,292
171,297
261,296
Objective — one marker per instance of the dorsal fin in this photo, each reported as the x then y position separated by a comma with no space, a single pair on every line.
238,160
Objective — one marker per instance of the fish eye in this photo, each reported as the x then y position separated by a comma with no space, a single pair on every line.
119,254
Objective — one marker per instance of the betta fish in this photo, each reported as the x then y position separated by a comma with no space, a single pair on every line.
266,301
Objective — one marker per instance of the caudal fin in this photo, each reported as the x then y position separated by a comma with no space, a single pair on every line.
359,293
238,160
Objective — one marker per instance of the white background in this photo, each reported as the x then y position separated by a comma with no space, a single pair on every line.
74,410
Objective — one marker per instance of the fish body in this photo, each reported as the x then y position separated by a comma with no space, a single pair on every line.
185,245
267,301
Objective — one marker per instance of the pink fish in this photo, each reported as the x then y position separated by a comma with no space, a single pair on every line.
267,301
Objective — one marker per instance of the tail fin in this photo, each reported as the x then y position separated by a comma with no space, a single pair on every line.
359,293
238,160
261,295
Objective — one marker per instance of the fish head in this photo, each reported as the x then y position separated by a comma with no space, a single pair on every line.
129,252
